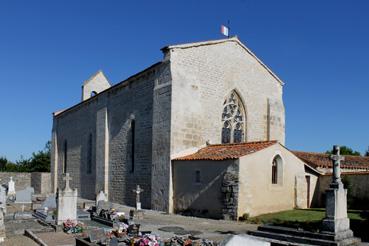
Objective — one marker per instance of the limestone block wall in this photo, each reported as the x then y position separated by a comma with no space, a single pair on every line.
22,180
202,78
41,182
73,129
108,118
257,194
213,193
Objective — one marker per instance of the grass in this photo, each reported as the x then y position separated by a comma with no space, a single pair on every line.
310,219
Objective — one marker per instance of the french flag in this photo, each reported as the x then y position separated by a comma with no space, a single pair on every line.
224,30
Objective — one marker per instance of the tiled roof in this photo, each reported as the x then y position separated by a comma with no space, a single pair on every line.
322,160
218,152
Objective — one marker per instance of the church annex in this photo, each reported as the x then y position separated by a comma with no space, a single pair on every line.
199,94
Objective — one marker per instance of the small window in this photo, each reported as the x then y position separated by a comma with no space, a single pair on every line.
277,170
93,93
65,156
197,177
274,172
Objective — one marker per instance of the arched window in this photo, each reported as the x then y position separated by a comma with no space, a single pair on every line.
133,132
277,170
233,119
65,156
93,93
89,154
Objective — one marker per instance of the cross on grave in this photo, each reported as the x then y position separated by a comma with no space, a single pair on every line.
67,178
336,159
138,190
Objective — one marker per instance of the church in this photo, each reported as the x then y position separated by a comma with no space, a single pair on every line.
202,132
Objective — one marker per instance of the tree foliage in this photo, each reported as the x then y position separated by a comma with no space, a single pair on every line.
346,151
39,162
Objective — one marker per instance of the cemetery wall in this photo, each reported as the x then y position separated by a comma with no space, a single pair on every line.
41,182
258,195
202,195
22,180
357,185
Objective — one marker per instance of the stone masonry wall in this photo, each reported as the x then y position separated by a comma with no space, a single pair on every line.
122,104
40,181
203,76
21,180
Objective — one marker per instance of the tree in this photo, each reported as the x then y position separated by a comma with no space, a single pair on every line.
3,162
367,153
346,151
40,161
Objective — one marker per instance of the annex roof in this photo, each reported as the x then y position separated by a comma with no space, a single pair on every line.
218,41
218,152
322,160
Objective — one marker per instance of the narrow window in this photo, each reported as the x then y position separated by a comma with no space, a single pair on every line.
65,156
93,93
197,177
133,126
89,154
275,171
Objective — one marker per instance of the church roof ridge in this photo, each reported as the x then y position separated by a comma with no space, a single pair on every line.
315,159
219,152
217,41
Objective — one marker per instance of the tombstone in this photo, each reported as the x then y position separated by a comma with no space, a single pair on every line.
2,226
49,203
24,196
138,190
101,197
3,198
11,187
336,222
97,236
243,239
66,202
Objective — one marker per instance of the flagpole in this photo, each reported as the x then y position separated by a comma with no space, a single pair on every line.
229,28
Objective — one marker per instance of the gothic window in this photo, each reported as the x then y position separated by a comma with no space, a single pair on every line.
233,120
65,157
277,170
89,154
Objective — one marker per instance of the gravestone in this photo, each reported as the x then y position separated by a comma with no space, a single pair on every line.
11,187
3,198
2,226
101,196
336,222
24,196
50,203
138,190
97,236
66,202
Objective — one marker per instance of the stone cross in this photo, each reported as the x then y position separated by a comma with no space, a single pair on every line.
336,159
138,190
67,178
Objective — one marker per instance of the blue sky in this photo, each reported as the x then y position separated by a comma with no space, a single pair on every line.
318,48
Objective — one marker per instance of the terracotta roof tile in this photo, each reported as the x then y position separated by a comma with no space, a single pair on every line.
323,160
218,152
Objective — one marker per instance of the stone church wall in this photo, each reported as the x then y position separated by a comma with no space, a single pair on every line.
257,194
213,195
202,78
133,101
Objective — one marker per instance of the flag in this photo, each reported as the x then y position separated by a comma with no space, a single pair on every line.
224,30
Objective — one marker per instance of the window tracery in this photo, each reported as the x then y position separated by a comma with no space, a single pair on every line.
233,119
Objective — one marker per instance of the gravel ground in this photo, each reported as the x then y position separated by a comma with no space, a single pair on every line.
19,240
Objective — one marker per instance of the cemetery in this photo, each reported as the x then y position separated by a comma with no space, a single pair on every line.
65,218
